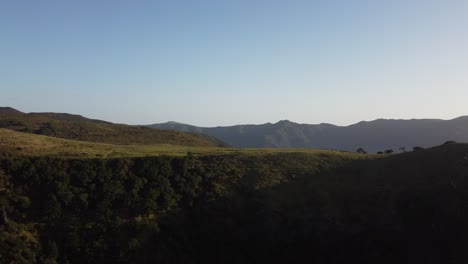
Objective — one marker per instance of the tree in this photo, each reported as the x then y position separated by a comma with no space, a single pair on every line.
4,184
361,151
53,208
46,129
388,151
402,149
416,148
53,250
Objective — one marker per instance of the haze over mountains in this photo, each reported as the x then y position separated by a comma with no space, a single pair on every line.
373,136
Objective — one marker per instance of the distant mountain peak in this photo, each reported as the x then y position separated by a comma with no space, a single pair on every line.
285,121
174,123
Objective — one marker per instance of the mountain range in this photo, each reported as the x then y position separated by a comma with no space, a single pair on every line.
372,136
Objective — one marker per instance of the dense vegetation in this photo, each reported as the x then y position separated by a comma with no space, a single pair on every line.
237,208
76,127
88,210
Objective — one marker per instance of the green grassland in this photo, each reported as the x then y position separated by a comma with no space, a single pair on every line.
13,143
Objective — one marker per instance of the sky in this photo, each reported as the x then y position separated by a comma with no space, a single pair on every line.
215,62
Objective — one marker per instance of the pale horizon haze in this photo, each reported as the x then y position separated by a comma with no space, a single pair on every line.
218,63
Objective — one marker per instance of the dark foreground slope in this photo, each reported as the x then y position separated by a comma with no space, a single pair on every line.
373,136
76,127
237,208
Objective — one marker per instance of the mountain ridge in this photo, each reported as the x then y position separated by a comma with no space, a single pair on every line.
376,135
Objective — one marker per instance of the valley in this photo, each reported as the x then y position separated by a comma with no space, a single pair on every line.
75,201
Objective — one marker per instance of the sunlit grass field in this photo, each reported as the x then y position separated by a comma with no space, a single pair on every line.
14,143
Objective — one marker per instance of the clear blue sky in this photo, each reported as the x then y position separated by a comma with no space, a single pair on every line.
230,62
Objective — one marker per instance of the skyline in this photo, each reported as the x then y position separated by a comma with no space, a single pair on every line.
217,63
246,124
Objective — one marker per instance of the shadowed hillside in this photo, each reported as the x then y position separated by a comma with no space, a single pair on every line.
373,136
76,127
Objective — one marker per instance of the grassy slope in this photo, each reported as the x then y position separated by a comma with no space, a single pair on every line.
13,143
76,127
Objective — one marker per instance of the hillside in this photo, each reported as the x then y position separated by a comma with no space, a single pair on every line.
75,127
19,144
275,207
373,136
9,111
